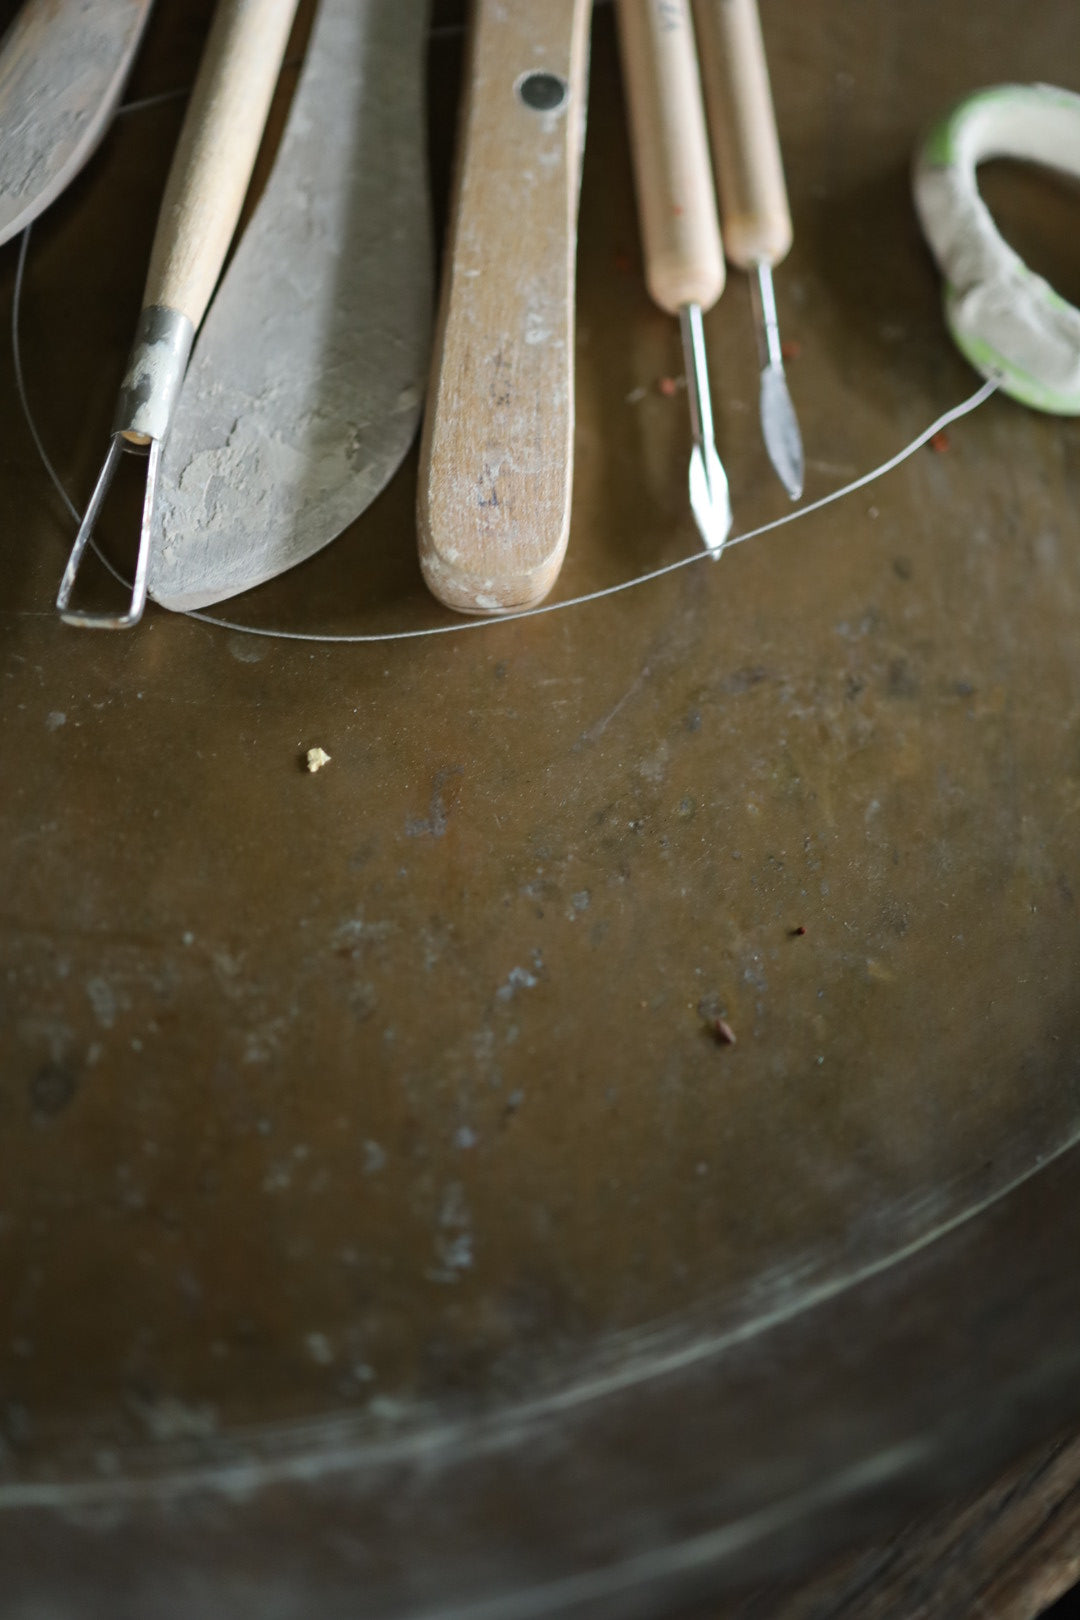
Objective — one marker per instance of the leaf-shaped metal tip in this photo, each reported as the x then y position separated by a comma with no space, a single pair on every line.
710,500
780,428
709,497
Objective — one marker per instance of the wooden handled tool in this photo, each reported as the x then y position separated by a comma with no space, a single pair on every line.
496,459
219,140
684,259
746,146
753,198
203,197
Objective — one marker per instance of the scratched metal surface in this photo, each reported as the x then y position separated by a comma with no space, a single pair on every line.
369,1178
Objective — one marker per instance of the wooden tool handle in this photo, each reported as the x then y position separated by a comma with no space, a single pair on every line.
684,259
216,152
496,459
753,197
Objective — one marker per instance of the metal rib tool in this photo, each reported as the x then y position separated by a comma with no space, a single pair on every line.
305,384
63,66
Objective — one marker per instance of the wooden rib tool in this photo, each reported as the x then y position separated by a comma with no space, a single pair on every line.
684,260
496,458
203,198
753,199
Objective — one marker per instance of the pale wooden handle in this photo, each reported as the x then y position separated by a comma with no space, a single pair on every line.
753,197
216,152
496,459
684,259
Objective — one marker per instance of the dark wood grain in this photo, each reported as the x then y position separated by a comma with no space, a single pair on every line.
1007,1553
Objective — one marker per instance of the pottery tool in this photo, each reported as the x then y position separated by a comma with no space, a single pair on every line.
306,381
496,459
1006,320
753,199
370,638
203,197
63,65
684,260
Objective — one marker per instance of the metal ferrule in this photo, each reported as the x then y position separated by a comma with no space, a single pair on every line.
155,373
697,373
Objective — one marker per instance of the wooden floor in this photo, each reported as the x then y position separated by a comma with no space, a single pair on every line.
1011,1552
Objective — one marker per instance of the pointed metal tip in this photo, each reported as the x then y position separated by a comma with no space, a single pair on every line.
780,429
792,480
111,621
710,500
779,424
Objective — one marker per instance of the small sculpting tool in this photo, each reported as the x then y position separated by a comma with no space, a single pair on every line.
684,258
753,199
203,197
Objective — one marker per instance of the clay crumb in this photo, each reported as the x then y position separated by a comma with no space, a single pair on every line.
725,1035
791,348
797,933
939,441
315,759
668,386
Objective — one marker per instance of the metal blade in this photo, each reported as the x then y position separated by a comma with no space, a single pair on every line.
305,385
709,498
780,428
779,424
710,501
63,64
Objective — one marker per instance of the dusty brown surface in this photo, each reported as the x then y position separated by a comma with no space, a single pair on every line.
389,1091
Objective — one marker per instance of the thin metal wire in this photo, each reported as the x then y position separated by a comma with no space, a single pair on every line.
28,415
153,101
20,382
459,627
970,404
85,536
180,94
86,526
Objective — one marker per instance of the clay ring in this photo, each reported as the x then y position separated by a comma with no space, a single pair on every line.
1007,321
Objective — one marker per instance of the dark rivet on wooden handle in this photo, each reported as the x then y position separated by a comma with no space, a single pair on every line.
543,92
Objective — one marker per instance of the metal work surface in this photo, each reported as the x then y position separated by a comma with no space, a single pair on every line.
380,1218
